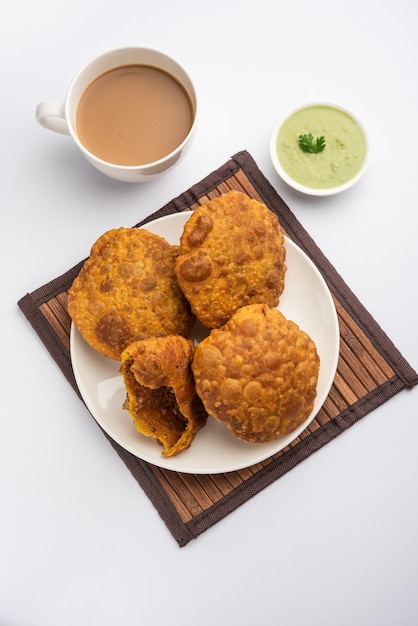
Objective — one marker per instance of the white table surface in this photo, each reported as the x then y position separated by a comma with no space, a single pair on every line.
334,542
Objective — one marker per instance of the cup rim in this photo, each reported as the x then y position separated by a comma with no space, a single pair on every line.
312,191
191,90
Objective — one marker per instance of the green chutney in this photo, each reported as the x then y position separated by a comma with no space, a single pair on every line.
340,160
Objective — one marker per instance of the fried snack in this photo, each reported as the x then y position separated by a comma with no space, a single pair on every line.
258,374
127,290
161,395
231,254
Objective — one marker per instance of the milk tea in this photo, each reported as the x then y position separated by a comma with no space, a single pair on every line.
133,115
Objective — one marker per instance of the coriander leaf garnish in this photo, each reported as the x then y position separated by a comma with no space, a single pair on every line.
307,143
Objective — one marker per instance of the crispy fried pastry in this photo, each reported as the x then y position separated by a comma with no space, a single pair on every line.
258,374
231,254
161,395
127,290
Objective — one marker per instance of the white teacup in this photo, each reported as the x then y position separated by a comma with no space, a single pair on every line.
61,117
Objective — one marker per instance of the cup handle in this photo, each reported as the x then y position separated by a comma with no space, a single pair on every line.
51,115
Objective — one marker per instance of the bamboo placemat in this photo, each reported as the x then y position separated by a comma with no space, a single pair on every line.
370,370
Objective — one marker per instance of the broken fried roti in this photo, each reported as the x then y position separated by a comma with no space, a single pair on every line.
161,395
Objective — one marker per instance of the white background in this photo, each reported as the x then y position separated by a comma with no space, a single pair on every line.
334,542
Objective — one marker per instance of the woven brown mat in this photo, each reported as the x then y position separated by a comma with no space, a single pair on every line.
370,370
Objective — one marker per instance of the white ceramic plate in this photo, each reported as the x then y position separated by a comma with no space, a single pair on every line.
306,300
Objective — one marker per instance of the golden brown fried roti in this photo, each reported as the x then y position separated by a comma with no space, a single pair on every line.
231,254
127,290
161,395
258,374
